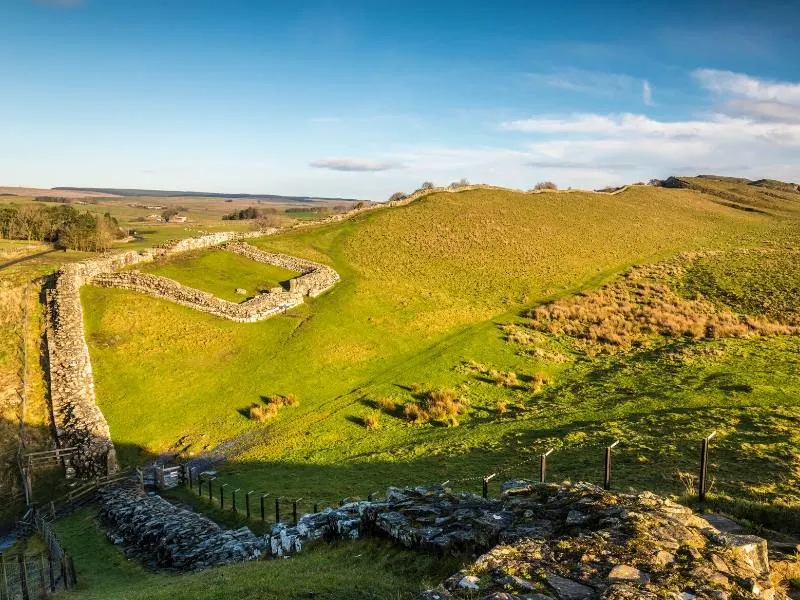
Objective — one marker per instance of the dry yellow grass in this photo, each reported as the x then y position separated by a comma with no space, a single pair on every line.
642,304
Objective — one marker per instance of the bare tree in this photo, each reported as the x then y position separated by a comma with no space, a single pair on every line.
545,185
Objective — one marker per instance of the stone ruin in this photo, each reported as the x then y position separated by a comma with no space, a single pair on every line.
537,541
550,542
168,536
78,421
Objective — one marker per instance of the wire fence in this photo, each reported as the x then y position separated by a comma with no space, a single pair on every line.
28,576
272,508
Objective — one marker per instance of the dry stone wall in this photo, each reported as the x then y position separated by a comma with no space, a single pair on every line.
551,542
315,279
258,308
77,419
169,536
537,541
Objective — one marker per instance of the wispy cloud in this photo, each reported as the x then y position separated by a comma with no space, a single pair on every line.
774,111
355,164
597,83
745,86
627,124
647,93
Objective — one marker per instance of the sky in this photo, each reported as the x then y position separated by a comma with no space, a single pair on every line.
361,98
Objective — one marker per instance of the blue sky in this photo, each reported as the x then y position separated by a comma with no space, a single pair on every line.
362,99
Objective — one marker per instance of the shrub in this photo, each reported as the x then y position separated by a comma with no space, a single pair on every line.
397,196
441,405
372,420
545,185
538,381
387,405
413,412
503,378
427,185
271,407
281,401
502,408
463,182
262,413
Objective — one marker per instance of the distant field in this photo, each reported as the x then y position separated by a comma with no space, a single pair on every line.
25,191
220,273
424,290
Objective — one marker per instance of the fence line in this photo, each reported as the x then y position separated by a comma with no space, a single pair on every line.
257,506
28,576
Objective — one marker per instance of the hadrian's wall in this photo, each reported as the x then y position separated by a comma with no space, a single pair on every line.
77,419
315,279
256,309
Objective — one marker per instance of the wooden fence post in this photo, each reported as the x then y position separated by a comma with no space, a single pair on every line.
222,495
233,499
607,467
263,515
5,574
543,466
277,510
704,466
210,493
50,570
486,481
23,576
43,585
247,503
294,510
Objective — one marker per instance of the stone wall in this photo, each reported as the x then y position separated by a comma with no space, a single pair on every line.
257,308
77,419
541,541
315,279
168,536
551,542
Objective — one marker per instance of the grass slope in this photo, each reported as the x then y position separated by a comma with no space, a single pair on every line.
220,273
422,290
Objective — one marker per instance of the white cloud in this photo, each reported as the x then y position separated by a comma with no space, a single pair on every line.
647,93
766,110
745,86
355,164
597,83
718,126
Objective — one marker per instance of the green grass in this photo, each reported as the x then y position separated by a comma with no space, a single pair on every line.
763,283
220,273
425,293
354,570
423,289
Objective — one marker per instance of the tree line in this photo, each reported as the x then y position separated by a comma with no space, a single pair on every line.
61,225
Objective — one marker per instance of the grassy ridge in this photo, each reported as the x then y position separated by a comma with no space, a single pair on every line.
420,288
429,298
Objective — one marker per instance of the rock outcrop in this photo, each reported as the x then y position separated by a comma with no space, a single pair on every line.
537,541
544,541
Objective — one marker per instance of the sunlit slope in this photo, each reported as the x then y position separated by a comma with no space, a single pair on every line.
418,283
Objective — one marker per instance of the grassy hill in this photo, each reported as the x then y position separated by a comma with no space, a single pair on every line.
424,290
528,321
